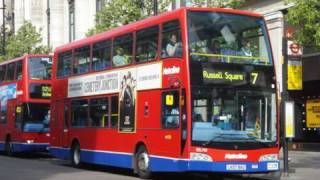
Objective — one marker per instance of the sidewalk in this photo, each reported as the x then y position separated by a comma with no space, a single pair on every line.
303,165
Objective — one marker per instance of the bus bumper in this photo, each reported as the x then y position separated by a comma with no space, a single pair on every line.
180,165
32,147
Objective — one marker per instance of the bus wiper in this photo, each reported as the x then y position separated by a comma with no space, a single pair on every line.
216,137
259,142
212,140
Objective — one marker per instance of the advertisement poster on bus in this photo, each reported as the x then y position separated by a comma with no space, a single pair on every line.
7,92
313,113
127,98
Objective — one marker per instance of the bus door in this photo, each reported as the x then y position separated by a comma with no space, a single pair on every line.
171,114
254,112
11,114
61,125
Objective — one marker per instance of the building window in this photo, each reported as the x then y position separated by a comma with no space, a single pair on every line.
99,5
71,21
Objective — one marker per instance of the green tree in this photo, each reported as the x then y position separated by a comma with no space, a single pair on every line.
26,41
305,16
121,12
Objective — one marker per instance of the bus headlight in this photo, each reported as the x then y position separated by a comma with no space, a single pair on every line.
200,157
30,141
269,157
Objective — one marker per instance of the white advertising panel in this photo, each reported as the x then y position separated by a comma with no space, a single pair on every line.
149,77
145,77
94,84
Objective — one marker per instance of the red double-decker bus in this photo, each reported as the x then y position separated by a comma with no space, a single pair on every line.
188,90
25,92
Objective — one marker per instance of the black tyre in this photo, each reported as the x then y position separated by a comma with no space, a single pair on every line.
8,147
142,163
75,155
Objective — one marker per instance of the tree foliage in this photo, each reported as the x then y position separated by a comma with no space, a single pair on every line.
121,12
26,41
305,16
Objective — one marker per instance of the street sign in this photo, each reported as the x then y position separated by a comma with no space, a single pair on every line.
313,113
289,118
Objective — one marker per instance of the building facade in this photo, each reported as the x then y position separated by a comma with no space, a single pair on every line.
58,21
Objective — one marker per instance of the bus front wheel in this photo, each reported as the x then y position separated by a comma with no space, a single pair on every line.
143,163
8,147
75,155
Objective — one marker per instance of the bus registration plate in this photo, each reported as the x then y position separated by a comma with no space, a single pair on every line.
236,167
273,166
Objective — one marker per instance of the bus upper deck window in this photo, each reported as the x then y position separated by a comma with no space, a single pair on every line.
81,60
19,70
10,72
101,55
2,72
122,54
171,40
64,64
147,44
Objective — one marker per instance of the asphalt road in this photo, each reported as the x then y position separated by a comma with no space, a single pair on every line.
44,167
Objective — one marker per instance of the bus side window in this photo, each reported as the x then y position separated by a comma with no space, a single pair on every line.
101,55
170,109
114,111
18,70
10,72
66,116
81,60
171,40
98,111
122,50
79,113
64,64
19,117
147,44
2,72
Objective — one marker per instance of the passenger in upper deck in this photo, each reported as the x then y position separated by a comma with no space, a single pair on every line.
214,49
246,49
119,59
173,48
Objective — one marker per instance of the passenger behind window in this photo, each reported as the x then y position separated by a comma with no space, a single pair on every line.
215,49
246,49
119,59
172,119
173,48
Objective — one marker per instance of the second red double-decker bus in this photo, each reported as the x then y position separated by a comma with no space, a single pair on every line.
25,92
189,90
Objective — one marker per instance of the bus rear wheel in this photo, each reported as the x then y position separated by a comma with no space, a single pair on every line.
142,163
8,147
75,155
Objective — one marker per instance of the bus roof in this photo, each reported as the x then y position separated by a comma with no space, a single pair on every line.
22,57
148,21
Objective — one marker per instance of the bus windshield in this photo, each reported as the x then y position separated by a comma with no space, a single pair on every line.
40,68
34,117
227,38
232,81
